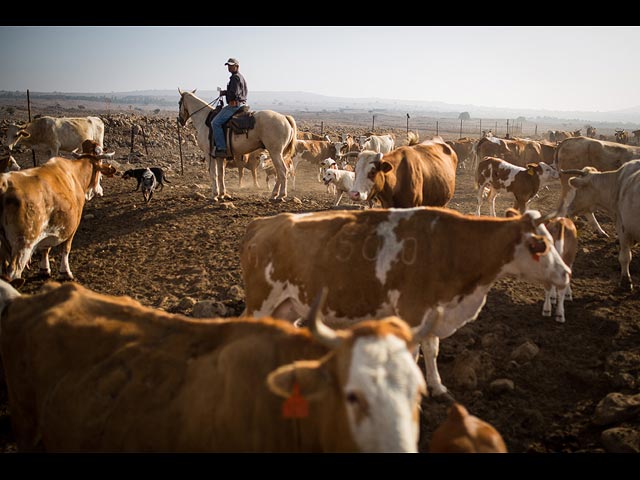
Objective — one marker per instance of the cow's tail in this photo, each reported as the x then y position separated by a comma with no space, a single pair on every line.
164,178
290,148
7,294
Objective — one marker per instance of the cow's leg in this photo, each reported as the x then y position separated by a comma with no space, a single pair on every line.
64,271
430,348
45,267
568,294
240,175
213,174
554,295
624,257
254,174
480,197
546,307
560,305
591,218
492,202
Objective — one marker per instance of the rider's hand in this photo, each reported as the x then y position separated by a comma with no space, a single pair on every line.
219,89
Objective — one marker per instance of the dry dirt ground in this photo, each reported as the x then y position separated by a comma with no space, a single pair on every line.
182,245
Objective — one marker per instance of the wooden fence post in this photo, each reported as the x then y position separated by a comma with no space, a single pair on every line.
132,137
437,130
33,152
180,148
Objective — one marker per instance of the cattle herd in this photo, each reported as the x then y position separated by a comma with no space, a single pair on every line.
342,293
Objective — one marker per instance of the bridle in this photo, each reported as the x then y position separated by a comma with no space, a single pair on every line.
189,115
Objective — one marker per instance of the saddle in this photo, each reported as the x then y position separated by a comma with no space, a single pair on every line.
241,122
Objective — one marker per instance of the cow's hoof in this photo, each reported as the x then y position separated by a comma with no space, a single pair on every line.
625,284
276,200
559,319
546,313
65,277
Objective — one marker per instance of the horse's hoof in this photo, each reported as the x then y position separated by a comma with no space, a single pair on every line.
227,197
276,200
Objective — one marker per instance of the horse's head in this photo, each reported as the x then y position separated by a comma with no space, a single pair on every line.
183,112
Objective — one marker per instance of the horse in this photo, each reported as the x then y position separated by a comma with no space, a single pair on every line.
274,131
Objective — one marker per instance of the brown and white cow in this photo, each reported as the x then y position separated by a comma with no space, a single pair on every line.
465,433
41,207
252,162
402,262
591,132
116,376
576,153
622,136
54,134
617,192
497,176
410,176
310,136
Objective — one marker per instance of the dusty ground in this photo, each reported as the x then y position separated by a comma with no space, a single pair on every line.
181,245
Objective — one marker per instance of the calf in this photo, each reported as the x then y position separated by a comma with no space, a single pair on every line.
149,184
342,179
464,433
99,373
565,239
497,175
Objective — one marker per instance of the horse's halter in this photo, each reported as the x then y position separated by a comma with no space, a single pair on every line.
182,121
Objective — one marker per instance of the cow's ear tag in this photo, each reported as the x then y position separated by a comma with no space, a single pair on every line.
531,172
296,406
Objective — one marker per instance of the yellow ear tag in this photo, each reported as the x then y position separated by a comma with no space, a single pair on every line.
531,172
296,406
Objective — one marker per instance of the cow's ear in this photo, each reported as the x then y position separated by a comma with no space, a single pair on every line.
386,167
511,212
23,133
538,245
311,376
578,182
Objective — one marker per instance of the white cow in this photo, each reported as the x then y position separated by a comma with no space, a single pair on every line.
379,143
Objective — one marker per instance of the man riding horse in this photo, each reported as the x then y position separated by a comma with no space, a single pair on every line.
236,94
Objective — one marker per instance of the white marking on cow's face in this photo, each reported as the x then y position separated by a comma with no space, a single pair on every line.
365,168
390,248
548,175
381,394
544,268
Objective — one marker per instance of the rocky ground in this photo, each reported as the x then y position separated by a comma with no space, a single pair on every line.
547,387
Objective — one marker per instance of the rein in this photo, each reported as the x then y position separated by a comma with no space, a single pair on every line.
201,108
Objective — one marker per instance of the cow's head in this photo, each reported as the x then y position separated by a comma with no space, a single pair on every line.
370,170
534,256
369,376
582,194
16,133
545,172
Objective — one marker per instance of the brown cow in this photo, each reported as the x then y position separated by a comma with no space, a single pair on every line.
252,162
404,262
410,176
41,207
463,148
622,136
464,433
93,372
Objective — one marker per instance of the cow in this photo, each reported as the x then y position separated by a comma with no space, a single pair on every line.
342,179
622,136
310,136
536,152
409,176
379,143
617,192
250,161
565,238
576,153
636,135
497,175
464,433
117,376
8,164
463,148
41,207
591,132
266,164
54,134
404,262
314,152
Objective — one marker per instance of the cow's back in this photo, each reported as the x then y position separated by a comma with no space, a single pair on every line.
71,132
118,376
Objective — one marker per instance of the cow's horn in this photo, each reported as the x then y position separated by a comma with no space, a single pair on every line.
75,154
545,218
428,326
107,155
573,172
325,335
351,154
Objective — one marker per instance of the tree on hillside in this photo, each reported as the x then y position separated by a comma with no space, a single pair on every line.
464,116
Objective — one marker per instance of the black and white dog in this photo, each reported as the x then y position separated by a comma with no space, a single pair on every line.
138,172
149,184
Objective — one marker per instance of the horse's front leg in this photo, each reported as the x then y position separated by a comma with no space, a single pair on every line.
220,165
213,174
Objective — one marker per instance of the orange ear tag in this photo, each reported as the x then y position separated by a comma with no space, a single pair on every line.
296,406
536,256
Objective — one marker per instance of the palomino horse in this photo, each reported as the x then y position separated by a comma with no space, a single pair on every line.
273,131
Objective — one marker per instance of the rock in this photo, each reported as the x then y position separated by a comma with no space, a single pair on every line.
186,303
296,200
236,292
525,352
501,385
489,340
228,206
199,196
472,368
89,216
209,308
621,440
616,407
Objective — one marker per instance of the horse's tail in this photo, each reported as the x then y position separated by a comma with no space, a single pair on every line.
290,148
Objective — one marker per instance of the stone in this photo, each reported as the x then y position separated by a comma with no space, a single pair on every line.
472,368
501,385
199,196
236,292
615,408
621,440
525,352
89,216
489,340
209,309
186,303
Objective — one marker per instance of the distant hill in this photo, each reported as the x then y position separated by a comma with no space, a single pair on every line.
310,102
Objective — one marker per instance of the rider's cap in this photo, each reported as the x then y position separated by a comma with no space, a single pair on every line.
232,61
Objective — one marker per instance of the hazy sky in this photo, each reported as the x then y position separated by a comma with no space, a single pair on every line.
556,68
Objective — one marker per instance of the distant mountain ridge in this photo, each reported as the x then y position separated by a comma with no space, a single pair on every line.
312,101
